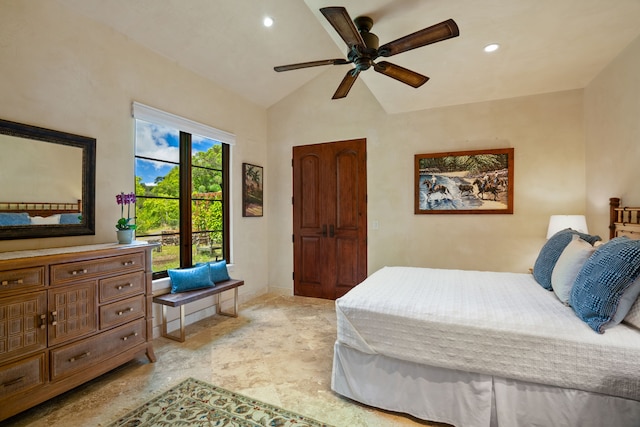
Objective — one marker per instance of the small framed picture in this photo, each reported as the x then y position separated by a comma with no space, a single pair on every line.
252,190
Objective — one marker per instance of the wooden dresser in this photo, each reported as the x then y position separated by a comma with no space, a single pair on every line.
68,315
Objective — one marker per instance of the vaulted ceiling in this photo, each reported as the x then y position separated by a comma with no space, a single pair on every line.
546,45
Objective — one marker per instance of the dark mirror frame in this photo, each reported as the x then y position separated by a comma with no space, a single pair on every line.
88,146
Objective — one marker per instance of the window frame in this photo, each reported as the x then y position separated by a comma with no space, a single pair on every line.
187,129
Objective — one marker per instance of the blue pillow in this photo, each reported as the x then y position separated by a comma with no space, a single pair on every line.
188,279
551,251
70,218
218,271
606,287
21,218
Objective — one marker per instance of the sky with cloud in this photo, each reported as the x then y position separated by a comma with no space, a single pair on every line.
161,143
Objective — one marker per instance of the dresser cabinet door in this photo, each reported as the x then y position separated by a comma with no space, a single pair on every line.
72,312
22,324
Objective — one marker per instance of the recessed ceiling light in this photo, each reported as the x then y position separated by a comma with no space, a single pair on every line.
491,47
268,21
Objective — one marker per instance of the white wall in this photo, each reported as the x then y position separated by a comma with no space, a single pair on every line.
612,127
64,72
546,132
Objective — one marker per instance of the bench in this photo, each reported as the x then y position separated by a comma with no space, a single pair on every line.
180,299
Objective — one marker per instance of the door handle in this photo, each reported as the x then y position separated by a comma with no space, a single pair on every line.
324,230
331,231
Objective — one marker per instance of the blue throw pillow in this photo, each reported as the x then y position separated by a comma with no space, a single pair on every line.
606,287
218,271
70,218
187,279
21,218
551,251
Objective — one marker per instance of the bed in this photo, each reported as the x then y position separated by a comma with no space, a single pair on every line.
473,348
40,213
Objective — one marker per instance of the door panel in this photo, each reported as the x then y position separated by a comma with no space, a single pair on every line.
310,194
329,218
346,190
347,250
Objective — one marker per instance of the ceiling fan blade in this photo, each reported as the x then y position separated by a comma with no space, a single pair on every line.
438,32
342,23
400,73
346,83
338,61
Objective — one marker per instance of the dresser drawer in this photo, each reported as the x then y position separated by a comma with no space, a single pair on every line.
81,355
22,375
115,288
121,312
62,273
22,278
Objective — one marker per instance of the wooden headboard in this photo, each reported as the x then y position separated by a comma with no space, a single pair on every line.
43,209
624,221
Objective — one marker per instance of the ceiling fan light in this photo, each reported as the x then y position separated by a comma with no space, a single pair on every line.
267,21
491,47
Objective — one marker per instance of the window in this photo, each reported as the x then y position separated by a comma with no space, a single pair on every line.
182,183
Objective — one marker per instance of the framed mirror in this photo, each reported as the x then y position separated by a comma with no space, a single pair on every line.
48,182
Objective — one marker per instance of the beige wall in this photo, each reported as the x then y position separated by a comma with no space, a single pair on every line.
612,127
62,71
546,132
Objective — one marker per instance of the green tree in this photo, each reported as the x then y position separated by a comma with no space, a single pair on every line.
158,207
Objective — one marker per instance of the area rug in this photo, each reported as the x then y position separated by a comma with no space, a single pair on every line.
196,403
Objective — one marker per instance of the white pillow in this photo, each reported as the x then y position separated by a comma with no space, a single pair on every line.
633,316
46,220
568,266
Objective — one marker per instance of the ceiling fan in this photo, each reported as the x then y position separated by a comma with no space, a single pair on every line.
363,49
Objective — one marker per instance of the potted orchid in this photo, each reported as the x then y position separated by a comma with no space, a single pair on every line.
124,227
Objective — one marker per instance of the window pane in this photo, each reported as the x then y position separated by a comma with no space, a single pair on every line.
205,248
158,222
206,183
157,178
157,142
206,152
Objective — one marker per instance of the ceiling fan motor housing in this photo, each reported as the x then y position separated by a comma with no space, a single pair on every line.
363,58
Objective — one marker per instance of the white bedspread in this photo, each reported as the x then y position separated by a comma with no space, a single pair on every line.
492,323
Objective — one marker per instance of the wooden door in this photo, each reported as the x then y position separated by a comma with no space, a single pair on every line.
329,218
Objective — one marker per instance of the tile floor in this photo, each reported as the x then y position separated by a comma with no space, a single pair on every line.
278,350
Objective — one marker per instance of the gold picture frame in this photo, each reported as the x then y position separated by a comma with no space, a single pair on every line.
464,182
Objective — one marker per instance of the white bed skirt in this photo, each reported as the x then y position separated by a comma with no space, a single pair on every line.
466,399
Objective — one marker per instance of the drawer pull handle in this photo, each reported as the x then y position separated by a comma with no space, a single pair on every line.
12,282
76,272
13,381
128,310
135,334
43,321
121,287
82,356
128,263
54,318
